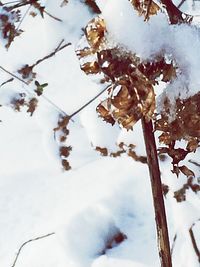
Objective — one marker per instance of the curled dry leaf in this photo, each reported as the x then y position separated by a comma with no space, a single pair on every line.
180,195
102,150
192,144
185,170
91,67
104,113
95,32
145,7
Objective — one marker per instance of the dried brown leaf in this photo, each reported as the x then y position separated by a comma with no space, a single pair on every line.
105,114
102,150
66,165
65,151
169,73
90,67
32,105
186,171
95,32
192,145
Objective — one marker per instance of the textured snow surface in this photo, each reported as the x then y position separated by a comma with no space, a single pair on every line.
100,196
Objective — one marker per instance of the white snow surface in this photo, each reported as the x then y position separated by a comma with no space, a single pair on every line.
100,196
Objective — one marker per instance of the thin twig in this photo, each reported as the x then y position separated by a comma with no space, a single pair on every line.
13,75
173,243
194,162
52,103
25,243
181,3
59,48
89,102
53,17
25,14
8,81
194,243
12,2
25,3
19,4
27,84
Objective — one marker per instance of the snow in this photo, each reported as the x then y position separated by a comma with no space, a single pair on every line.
156,38
100,196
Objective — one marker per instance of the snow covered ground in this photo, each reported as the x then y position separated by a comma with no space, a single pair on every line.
101,196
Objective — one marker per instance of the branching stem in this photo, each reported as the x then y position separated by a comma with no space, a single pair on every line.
58,48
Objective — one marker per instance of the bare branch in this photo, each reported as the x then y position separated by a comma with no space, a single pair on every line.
173,244
13,75
8,81
25,243
27,84
52,103
25,14
89,102
58,48
181,3
9,3
194,162
53,17
194,243
35,4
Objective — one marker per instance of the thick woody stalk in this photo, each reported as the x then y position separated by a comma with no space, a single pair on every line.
158,201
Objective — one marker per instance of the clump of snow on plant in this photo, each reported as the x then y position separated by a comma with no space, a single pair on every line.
156,37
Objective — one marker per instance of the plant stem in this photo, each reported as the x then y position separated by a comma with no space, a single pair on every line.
194,243
158,201
25,243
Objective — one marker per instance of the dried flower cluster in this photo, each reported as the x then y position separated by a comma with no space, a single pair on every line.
21,100
130,89
130,94
8,29
62,132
